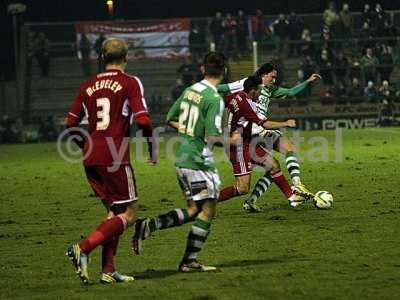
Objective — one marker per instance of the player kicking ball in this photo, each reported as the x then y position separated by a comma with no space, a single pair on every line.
197,115
281,144
241,117
109,100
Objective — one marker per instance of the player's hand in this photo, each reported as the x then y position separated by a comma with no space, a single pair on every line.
314,77
235,138
291,123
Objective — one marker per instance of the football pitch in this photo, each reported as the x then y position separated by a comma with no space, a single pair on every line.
351,251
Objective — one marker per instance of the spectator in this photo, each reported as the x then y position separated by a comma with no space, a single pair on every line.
42,47
230,42
340,93
355,70
177,90
355,93
258,26
307,46
346,19
278,63
391,33
9,130
217,30
47,130
331,17
327,96
325,67
198,76
369,64
85,49
366,36
326,38
379,19
281,32
385,91
295,28
367,15
197,40
386,63
242,32
187,71
370,91
341,66
98,44
386,114
307,68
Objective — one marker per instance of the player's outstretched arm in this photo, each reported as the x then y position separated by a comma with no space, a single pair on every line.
277,125
281,92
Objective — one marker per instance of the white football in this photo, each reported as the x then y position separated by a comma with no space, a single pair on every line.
323,200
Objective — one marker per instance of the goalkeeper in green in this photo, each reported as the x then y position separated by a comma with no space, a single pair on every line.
268,74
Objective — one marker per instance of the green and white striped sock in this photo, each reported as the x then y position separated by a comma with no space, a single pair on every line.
261,187
172,218
293,167
196,238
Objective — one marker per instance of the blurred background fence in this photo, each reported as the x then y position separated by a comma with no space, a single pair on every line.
357,57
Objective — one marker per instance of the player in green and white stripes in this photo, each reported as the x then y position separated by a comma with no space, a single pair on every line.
197,115
270,91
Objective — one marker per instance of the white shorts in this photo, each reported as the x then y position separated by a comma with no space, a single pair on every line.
199,185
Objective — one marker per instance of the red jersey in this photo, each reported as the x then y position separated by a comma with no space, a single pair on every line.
242,114
109,100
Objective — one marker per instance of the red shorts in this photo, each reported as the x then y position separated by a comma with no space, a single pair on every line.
242,158
114,186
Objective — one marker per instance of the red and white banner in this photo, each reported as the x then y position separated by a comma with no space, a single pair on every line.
167,38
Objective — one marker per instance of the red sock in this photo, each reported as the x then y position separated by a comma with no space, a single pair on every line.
227,193
109,251
103,233
282,183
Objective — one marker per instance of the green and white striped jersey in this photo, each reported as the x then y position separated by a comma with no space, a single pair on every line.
267,93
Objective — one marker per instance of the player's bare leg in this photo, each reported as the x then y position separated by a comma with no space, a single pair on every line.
106,231
108,273
241,187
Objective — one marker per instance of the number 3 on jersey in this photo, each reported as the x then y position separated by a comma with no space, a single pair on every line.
188,118
103,114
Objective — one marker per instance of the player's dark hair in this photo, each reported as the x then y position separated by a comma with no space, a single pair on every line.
264,69
114,51
251,83
214,64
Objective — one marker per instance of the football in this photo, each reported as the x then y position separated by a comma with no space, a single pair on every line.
323,200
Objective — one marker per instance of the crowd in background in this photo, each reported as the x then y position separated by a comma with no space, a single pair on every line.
13,131
355,59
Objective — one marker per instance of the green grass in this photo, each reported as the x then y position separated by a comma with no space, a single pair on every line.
348,252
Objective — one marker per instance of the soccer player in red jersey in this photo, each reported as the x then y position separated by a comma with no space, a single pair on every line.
242,115
109,100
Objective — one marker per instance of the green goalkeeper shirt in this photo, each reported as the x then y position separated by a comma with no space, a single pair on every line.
199,113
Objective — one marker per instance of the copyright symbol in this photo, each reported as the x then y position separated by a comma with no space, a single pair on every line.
67,148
